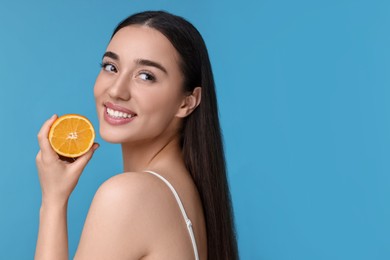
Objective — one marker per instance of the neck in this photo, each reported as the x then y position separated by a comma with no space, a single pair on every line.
150,155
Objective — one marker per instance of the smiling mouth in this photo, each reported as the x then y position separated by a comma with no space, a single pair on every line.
118,114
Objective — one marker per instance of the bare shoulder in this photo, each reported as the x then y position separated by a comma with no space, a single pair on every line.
128,215
123,187
132,189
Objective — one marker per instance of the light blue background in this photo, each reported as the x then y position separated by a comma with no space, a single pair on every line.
303,90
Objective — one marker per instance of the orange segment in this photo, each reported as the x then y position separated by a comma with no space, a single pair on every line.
71,135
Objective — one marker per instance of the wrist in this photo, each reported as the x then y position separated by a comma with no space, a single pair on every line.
54,204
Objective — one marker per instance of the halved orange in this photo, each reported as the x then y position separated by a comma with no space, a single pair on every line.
71,135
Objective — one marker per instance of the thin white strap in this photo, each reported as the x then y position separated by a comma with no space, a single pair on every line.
186,219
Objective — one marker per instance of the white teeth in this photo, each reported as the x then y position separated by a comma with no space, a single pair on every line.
118,114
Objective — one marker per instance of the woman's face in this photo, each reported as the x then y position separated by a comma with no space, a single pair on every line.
138,91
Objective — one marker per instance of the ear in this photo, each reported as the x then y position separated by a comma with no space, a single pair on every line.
190,102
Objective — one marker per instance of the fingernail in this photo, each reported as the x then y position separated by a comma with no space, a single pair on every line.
95,146
52,116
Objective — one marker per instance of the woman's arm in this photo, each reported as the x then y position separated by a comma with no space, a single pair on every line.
117,226
58,179
53,234
133,215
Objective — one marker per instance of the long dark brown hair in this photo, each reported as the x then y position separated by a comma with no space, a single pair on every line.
201,135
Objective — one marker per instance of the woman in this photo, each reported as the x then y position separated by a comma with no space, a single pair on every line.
155,96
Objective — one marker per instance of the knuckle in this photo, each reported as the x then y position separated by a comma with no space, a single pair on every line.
38,157
40,136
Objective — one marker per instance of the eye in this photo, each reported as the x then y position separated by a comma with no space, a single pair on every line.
146,76
108,67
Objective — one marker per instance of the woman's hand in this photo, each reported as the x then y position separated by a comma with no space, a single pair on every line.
58,177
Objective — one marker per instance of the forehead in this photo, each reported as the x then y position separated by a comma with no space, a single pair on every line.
142,42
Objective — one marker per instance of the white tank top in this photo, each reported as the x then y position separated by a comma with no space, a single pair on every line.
183,212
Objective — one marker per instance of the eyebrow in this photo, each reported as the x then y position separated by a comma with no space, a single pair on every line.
142,62
151,64
111,55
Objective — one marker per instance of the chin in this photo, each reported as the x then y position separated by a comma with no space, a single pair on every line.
111,136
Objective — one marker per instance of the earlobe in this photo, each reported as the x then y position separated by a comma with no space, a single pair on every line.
190,102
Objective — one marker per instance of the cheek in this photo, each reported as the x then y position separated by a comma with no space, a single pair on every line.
161,103
163,114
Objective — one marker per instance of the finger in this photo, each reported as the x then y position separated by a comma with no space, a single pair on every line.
38,157
43,140
82,161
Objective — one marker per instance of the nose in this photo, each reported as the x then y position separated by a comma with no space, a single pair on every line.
120,89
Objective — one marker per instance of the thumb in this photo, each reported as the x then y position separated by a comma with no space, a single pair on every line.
82,161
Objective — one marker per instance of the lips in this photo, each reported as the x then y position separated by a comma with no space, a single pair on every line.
117,115
119,108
